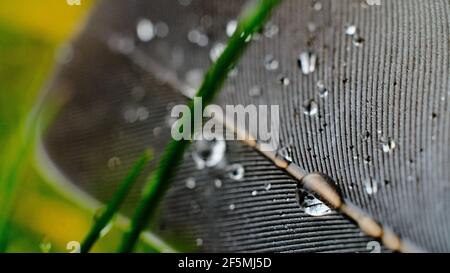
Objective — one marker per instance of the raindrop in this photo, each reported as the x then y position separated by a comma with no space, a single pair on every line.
323,91
232,206
208,152
271,63
231,27
255,91
387,145
370,186
309,203
190,183
145,30
216,51
311,108
254,193
236,171
268,186
307,62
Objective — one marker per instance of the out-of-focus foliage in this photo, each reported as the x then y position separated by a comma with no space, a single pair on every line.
31,32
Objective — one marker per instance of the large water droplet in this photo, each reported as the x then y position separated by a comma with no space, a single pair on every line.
231,27
236,171
145,30
309,203
307,62
208,153
270,63
311,108
371,186
387,145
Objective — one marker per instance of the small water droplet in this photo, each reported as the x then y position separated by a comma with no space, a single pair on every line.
387,145
350,30
255,91
270,63
311,27
199,241
209,152
307,62
254,193
135,114
114,162
218,183
236,171
184,3
216,51
161,29
197,37
268,186
317,6
45,246
121,44
370,186
309,203
270,30
285,153
284,80
145,30
232,206
311,108
231,27
358,40
323,91
191,183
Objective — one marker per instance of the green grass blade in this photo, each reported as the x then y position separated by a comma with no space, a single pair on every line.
115,202
251,21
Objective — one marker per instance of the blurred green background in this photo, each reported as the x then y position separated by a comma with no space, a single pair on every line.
42,216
